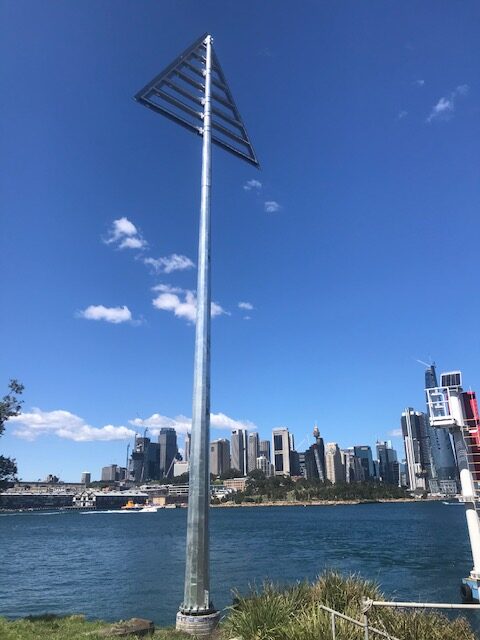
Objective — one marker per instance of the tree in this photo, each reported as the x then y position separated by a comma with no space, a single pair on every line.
10,406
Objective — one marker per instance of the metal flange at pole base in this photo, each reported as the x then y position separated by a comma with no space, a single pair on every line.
200,625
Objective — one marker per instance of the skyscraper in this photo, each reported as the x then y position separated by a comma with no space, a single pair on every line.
417,448
263,464
264,449
168,450
315,458
281,451
188,438
388,463
86,477
109,474
239,450
253,450
219,456
444,468
364,453
333,463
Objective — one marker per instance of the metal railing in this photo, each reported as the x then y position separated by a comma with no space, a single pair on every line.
370,632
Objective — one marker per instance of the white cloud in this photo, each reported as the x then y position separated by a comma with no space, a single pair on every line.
125,235
271,206
252,184
445,107
401,115
182,424
247,317
131,243
248,306
64,424
395,433
419,83
182,302
115,315
167,264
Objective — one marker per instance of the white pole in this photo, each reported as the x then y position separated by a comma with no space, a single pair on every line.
466,480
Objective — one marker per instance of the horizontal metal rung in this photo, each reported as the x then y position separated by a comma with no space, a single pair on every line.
193,68
236,152
190,81
183,92
226,103
221,114
200,72
171,115
176,103
230,134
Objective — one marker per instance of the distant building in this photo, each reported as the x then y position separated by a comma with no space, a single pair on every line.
219,456
364,453
121,474
253,450
239,451
315,458
167,440
333,463
109,474
281,451
417,448
387,462
264,449
295,463
180,467
188,438
86,477
237,484
263,464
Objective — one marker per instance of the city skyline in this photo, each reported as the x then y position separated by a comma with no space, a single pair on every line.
373,177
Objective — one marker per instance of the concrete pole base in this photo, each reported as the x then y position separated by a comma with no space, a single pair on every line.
201,626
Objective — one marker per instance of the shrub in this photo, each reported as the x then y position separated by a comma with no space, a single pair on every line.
292,613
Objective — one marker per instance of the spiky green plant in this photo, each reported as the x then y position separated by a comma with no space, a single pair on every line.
293,613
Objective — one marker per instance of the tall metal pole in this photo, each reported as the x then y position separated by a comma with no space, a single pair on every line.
197,581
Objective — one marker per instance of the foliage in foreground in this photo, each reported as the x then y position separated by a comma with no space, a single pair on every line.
51,627
10,405
292,613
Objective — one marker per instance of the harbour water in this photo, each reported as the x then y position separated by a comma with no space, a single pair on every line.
120,565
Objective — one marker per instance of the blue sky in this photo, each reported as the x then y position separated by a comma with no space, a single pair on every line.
365,118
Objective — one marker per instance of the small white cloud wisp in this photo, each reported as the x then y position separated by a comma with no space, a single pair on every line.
125,235
445,107
169,264
271,206
248,306
114,315
252,185
182,303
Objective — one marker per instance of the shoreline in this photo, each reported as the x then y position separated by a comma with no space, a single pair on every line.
317,503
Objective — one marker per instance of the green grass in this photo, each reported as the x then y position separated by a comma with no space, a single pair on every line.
51,627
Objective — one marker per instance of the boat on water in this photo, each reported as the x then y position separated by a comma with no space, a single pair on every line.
133,506
141,508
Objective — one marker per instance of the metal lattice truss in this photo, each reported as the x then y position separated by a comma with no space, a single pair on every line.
178,93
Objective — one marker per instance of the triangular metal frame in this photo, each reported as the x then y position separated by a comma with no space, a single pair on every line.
177,93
